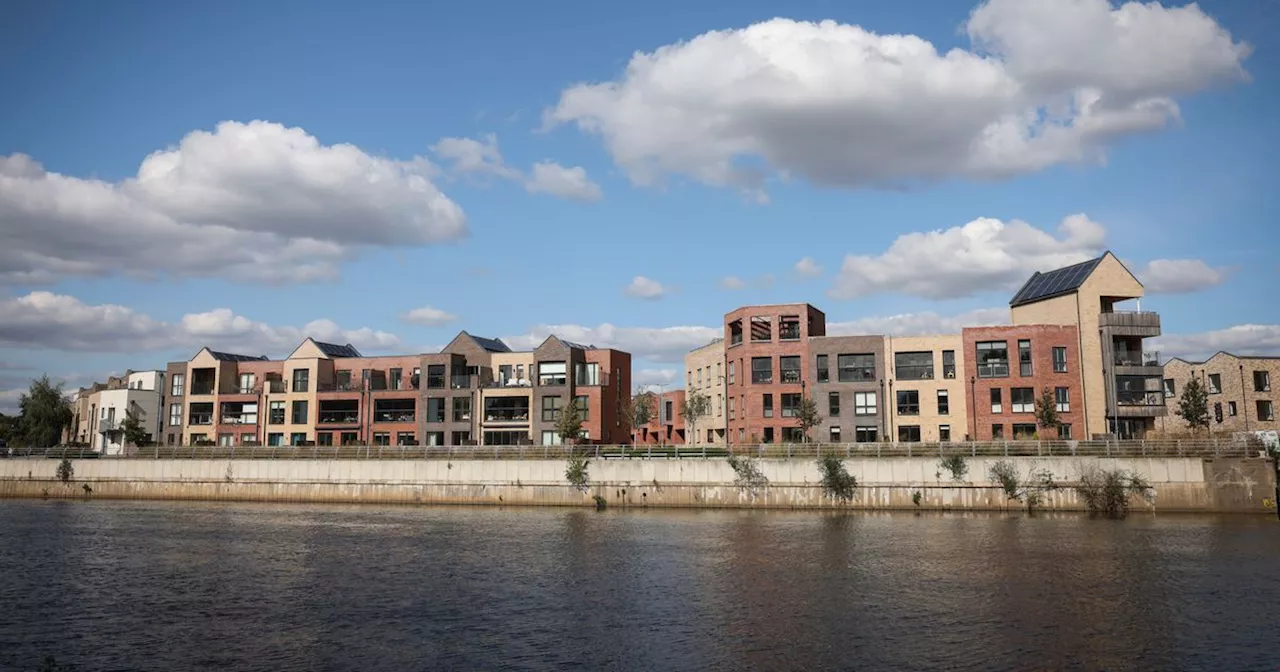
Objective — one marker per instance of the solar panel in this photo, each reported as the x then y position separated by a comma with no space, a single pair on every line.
1054,283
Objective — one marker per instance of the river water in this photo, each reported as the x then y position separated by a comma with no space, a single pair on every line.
177,586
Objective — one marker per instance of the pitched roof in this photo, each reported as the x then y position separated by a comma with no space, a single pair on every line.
490,344
335,350
232,357
578,346
1054,283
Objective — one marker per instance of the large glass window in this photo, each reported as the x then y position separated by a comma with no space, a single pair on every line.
175,414
299,416
435,409
993,359
1261,381
761,370
864,403
913,365
864,434
584,407
1024,358
436,376
856,367
1062,399
909,433
1059,359
908,402
997,406
1022,400
551,373
789,368
791,405
767,404
550,409
275,413
462,409
822,369
301,380
948,363
178,381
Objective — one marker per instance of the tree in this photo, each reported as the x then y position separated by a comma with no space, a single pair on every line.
9,428
569,424
836,481
44,412
134,432
639,410
1047,409
807,416
1194,405
695,407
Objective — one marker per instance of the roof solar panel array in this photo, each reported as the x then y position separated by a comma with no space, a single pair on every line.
1054,283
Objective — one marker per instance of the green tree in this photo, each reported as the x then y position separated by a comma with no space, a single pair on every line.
9,428
569,424
1047,409
837,482
1194,405
695,407
44,412
134,432
639,410
807,416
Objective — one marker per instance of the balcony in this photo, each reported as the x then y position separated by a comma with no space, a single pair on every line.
510,382
242,419
506,415
463,382
276,386
200,418
338,417
993,370
1140,404
199,389
1129,363
1130,323
341,386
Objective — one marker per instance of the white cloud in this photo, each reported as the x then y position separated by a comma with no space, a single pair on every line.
61,322
645,288
1179,276
657,344
652,380
428,316
572,183
732,282
1242,339
985,254
482,158
808,268
249,201
925,323
1045,82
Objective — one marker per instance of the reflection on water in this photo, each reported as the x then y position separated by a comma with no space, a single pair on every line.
165,586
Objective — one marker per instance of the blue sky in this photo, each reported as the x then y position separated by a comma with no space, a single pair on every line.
729,155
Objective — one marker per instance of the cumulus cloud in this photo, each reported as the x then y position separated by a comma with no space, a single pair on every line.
1242,339
428,316
61,322
651,379
645,288
924,323
808,268
250,201
482,158
1179,276
1044,82
985,254
731,282
658,344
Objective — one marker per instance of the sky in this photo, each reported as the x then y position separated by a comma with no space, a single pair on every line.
243,175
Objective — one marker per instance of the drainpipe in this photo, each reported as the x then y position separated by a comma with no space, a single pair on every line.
891,407
973,406
1244,400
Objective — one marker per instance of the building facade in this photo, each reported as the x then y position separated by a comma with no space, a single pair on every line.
766,348
1011,369
704,374
100,410
1242,392
666,426
926,395
848,385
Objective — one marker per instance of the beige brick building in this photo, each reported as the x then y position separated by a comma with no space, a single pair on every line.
704,374
1243,392
926,377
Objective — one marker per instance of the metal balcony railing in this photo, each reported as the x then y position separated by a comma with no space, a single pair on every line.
1140,398
1136,359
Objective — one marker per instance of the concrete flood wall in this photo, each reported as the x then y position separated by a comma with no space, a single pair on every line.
1180,484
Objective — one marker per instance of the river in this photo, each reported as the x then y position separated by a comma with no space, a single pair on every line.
183,586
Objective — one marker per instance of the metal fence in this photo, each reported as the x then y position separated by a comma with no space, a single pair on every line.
1160,448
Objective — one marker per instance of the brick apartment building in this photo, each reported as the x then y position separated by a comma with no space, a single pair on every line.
1242,392
475,391
1010,368
666,424
766,348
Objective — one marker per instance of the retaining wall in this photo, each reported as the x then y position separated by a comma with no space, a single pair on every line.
1180,484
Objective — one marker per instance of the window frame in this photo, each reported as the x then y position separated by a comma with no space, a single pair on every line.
860,406
1059,364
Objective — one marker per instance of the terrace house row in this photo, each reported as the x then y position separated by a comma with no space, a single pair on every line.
474,391
1242,392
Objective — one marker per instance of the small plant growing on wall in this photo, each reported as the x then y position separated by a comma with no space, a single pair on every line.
915,498
576,472
1107,492
955,464
748,477
65,471
1029,490
837,482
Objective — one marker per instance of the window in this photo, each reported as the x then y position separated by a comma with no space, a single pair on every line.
789,328
405,439
1261,381
324,438
719,370
301,380
1024,358
1023,431
913,365
435,409
349,438
854,368
791,405
275,439
297,438
1064,431
462,409
275,413
833,434
944,433
179,381
584,407
394,378
435,376
732,374
382,438
789,369
996,405
1231,408
909,402
1265,410
761,329
944,402
688,374
175,414
761,370
948,363
226,440
462,438
1059,359
246,383
587,373
551,373
551,409
864,403
866,434
699,377
822,375
768,405
792,435
909,433
719,405
1022,400
733,410
997,432
833,404
1062,399
299,415
1170,388
198,414
1215,383
768,435
993,359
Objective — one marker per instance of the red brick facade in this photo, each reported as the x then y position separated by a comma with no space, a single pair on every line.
983,379
746,339
665,427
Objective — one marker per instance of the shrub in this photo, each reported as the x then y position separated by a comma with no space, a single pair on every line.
915,498
837,482
65,471
1107,492
748,478
955,464
1030,490
576,472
